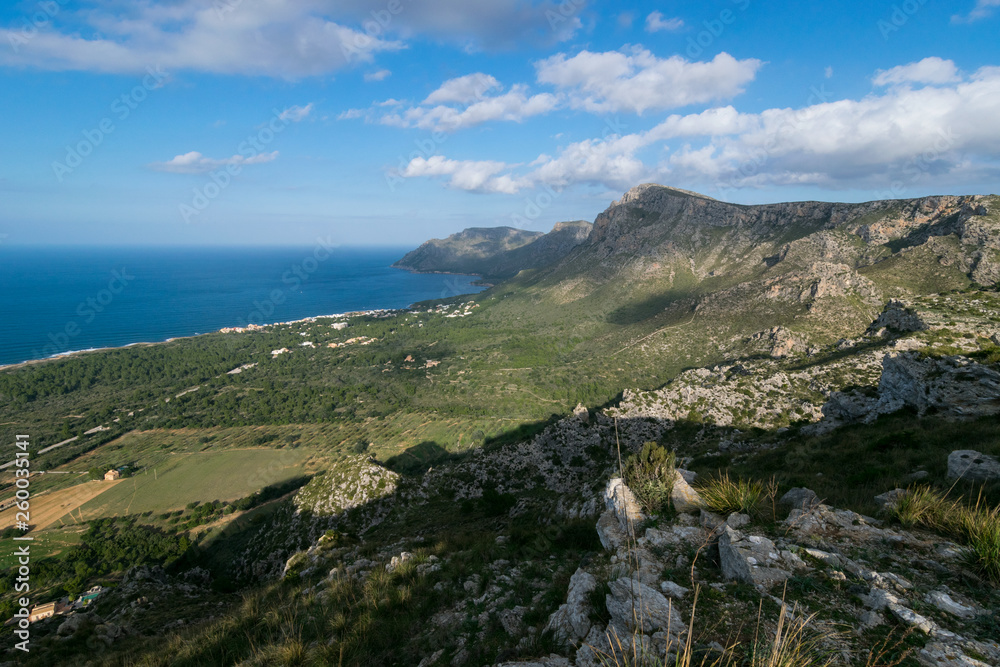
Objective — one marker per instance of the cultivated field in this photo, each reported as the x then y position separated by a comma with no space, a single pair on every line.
202,476
48,507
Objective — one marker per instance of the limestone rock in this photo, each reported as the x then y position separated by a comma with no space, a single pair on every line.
396,561
943,601
634,606
572,620
952,386
752,559
800,498
939,654
897,318
889,499
684,497
609,531
972,466
670,589
912,618
619,499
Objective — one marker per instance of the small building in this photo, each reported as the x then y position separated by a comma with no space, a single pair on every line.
112,475
41,611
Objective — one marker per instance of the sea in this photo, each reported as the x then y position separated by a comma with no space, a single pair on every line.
57,300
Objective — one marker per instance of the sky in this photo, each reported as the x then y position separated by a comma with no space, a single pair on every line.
277,122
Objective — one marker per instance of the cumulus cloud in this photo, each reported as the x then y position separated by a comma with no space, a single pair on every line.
281,38
460,103
638,81
296,113
982,10
929,70
656,22
944,132
463,89
196,163
471,175
380,75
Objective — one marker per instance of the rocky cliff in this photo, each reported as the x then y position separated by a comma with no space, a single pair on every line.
495,253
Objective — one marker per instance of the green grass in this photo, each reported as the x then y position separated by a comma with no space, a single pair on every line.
724,495
183,478
977,526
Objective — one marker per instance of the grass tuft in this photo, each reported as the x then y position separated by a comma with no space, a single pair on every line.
725,495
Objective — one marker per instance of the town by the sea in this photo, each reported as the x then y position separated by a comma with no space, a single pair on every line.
59,300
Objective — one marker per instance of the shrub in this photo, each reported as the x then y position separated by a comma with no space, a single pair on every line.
650,475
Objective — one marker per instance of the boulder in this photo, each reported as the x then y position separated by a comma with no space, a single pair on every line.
889,499
753,559
971,466
683,496
610,532
800,498
619,499
636,607
571,621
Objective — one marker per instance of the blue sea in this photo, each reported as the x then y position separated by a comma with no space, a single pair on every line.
62,299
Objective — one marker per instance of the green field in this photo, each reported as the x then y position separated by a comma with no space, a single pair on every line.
188,477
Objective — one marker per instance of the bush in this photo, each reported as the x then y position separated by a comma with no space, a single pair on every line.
650,475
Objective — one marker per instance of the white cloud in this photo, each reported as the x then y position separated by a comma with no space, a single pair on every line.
514,105
296,113
380,75
982,10
471,175
279,38
944,133
639,81
656,22
932,70
460,103
463,89
196,163
828,72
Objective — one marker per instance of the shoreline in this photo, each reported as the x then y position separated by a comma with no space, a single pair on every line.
310,318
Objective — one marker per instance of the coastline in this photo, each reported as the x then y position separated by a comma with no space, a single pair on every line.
262,327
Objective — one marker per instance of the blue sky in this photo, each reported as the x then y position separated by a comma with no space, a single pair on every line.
392,121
